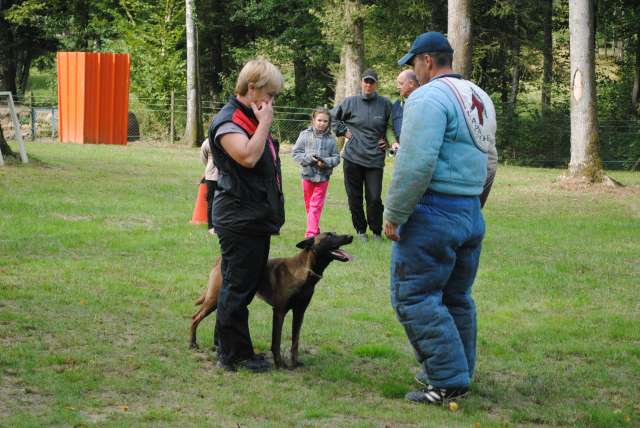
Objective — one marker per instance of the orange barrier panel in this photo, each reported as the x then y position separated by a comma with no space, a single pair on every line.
93,97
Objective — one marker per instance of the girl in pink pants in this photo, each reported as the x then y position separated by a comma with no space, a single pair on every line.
317,153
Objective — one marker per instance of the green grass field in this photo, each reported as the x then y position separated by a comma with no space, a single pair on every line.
99,269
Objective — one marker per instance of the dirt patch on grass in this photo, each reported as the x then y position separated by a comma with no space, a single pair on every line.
131,223
16,395
582,185
628,195
73,217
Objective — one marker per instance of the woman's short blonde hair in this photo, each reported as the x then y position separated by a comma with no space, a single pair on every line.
262,74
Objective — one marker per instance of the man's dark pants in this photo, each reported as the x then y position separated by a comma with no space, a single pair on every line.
211,190
355,176
244,259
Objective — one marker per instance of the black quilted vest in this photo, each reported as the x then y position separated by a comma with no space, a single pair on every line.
248,201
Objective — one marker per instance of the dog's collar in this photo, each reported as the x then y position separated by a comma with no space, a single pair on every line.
313,274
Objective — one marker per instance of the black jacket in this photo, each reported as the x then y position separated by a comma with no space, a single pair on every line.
367,119
248,201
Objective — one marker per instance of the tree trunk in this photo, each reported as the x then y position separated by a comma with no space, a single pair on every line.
585,157
339,92
438,16
635,92
504,78
213,64
547,54
515,59
193,128
300,80
23,72
5,149
459,34
352,70
354,52
8,60
8,75
82,15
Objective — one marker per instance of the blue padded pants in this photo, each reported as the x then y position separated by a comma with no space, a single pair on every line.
433,267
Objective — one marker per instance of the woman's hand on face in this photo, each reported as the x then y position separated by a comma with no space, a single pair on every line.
263,112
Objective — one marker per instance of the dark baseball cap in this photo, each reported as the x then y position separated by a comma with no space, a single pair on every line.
431,41
369,73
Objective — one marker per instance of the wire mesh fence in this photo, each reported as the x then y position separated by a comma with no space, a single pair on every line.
534,141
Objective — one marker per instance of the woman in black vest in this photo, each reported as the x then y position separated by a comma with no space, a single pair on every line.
248,206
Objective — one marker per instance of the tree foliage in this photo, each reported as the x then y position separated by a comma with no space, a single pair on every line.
305,38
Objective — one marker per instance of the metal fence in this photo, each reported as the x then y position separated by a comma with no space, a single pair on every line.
149,119
521,140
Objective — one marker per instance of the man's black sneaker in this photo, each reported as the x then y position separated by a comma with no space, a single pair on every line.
434,395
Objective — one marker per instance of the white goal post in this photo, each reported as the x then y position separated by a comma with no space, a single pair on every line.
16,126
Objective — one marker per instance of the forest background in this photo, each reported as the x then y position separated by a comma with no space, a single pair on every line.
520,56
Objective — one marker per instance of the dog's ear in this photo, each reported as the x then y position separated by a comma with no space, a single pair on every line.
307,243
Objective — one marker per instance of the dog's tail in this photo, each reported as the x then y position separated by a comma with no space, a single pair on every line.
201,298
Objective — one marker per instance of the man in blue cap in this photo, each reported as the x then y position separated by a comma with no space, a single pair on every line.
432,213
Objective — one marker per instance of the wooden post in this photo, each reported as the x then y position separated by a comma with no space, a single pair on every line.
33,117
171,120
53,124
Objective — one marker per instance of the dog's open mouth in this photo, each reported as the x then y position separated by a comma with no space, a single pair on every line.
341,255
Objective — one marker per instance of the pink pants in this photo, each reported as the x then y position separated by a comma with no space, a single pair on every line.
314,196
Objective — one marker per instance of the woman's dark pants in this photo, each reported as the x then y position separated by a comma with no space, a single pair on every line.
244,259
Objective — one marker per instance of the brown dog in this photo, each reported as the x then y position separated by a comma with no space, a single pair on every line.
287,284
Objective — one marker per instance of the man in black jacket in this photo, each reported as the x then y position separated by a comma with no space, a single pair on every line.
363,119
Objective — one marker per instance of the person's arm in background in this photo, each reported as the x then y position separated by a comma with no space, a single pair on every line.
337,119
492,166
205,152
391,135
299,153
385,141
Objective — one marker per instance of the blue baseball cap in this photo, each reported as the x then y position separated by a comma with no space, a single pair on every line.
431,41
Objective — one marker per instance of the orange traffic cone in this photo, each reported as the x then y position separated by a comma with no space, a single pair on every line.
200,210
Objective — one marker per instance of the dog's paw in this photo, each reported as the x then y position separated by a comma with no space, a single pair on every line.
193,345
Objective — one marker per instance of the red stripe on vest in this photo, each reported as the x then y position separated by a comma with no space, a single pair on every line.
244,122
249,125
